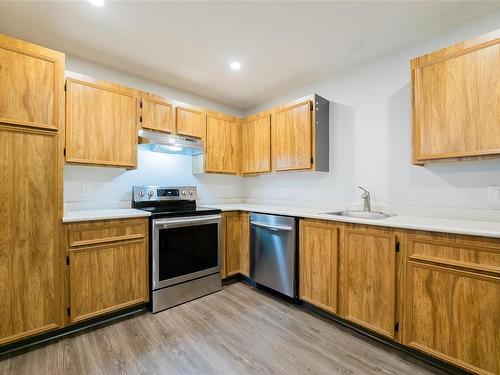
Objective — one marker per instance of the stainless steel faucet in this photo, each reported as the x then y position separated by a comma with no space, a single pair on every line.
366,199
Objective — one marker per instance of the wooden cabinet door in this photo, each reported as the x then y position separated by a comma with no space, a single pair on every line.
108,277
237,243
291,137
245,244
368,272
31,84
256,144
318,264
456,108
454,315
30,213
222,144
233,243
100,124
190,121
156,114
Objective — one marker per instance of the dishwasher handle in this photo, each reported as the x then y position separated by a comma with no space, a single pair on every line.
272,227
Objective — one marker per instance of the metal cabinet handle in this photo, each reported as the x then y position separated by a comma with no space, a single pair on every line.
272,227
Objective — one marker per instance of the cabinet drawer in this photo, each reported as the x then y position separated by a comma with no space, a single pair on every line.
106,231
474,253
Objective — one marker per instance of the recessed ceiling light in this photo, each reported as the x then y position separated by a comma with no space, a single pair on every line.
97,3
235,65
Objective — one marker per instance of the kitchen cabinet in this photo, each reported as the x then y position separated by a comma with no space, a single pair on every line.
456,101
300,135
368,278
237,243
256,144
100,124
318,263
190,121
30,211
453,299
31,161
108,266
222,153
155,113
292,137
31,85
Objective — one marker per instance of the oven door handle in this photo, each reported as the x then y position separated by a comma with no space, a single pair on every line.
187,220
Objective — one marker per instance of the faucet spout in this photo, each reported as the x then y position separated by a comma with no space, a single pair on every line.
366,199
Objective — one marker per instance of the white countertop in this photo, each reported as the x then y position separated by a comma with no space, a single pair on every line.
104,214
434,224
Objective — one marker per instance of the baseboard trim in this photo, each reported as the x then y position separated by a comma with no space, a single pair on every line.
434,362
23,346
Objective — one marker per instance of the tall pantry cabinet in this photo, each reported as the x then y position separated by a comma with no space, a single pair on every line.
31,160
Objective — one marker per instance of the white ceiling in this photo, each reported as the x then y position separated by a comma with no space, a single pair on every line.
189,45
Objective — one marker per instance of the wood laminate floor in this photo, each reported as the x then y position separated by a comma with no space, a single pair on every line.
239,330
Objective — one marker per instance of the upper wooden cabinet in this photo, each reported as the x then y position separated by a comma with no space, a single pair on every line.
256,144
222,153
452,294
190,121
300,135
368,278
100,124
456,101
31,84
292,137
318,263
155,113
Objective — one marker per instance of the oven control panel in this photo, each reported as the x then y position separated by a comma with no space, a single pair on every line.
162,193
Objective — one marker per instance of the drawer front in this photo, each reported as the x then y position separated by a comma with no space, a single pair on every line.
476,254
106,231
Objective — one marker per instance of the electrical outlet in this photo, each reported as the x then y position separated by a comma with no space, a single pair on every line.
86,190
494,194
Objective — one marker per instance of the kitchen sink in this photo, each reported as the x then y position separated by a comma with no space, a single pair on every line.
359,214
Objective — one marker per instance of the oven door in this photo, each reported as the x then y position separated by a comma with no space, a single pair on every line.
185,248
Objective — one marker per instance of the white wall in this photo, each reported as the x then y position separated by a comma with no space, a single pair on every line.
370,141
115,184
88,68
370,145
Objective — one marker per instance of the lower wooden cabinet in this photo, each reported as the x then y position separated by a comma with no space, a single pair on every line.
108,266
368,278
452,306
236,250
318,260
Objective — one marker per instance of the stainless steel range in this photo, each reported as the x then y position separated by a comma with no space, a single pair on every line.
184,244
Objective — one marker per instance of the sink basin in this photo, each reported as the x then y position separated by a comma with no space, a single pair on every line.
374,215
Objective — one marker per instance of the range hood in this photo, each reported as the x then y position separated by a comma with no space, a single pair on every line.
168,143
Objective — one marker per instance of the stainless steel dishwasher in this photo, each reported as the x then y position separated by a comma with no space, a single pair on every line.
272,252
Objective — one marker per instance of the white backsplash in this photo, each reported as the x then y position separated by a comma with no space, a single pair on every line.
112,187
